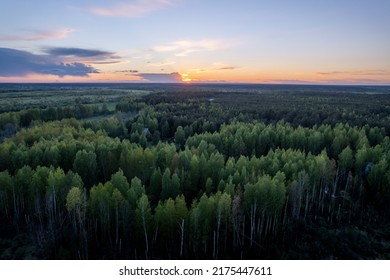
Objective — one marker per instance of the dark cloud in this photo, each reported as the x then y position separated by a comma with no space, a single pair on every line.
161,77
84,55
16,63
71,69
127,71
227,68
76,52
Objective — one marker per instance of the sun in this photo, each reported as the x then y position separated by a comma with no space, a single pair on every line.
185,78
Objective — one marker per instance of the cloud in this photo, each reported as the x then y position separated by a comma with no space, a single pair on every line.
76,52
227,68
38,35
72,69
161,77
331,73
379,76
186,47
84,55
216,67
137,8
357,73
162,63
16,63
127,71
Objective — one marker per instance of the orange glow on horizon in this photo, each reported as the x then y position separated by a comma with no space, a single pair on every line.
185,78
318,77
230,76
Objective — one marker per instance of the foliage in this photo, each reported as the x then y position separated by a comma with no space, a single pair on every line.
204,172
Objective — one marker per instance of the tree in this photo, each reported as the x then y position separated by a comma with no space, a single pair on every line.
136,186
223,213
238,219
107,156
167,223
175,185
206,219
6,191
214,166
125,160
68,150
19,158
99,205
346,159
180,136
86,166
51,155
22,184
119,181
144,218
38,190
56,191
377,179
296,194
6,149
155,186
251,204
208,187
165,129
264,201
76,206
190,190
35,155
170,186
181,217
118,205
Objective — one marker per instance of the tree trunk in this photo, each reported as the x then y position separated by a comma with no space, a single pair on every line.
182,237
146,236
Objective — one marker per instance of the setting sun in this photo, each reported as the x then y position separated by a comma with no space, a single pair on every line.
185,78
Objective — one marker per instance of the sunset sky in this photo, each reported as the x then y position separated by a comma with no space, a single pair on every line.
250,41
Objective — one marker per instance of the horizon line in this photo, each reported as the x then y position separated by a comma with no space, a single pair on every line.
198,83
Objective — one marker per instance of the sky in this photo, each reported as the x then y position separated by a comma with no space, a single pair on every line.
245,41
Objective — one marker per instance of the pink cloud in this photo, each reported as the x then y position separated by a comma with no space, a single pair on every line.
39,35
137,8
186,47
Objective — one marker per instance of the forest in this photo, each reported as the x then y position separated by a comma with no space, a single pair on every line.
194,171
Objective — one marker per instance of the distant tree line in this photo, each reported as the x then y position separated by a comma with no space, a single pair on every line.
306,107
